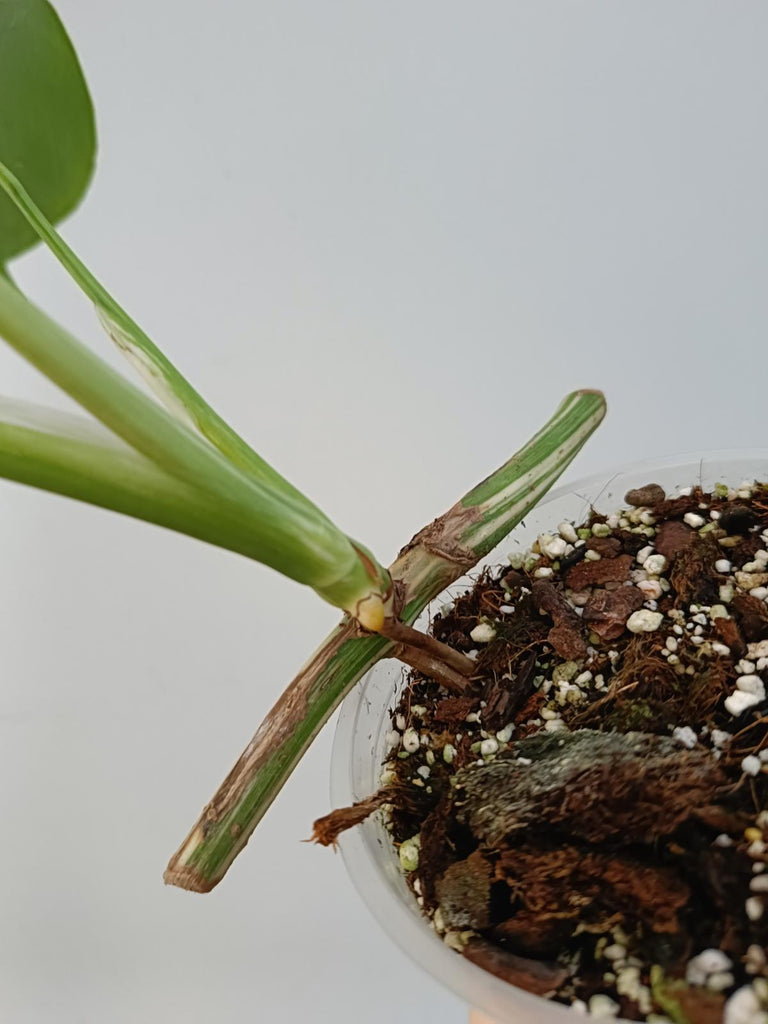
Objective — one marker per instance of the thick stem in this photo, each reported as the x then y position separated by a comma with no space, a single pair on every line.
434,559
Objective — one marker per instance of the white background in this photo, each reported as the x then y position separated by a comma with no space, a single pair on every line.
384,239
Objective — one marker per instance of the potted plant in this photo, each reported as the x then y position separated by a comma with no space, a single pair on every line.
178,464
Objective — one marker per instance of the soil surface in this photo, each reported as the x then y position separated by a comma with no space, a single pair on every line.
589,821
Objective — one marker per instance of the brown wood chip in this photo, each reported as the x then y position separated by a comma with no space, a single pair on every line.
607,611
607,570
671,537
537,976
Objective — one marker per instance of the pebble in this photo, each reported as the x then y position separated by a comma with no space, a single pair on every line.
484,632
644,621
648,494
693,520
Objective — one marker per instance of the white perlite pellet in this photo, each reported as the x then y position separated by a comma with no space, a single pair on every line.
737,703
751,684
411,741
651,589
489,746
709,961
552,547
483,632
744,1008
751,765
568,532
723,566
603,1007
720,737
409,854
754,908
684,734
644,553
644,621
693,520
655,565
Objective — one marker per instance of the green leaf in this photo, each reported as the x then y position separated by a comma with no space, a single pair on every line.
47,132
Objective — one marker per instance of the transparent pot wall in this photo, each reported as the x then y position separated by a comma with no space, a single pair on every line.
360,742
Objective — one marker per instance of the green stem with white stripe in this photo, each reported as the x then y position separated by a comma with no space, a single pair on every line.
170,386
435,558
285,534
77,458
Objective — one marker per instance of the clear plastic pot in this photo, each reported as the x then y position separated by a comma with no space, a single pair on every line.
360,742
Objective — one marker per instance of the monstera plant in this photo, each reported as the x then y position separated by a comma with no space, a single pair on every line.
170,459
